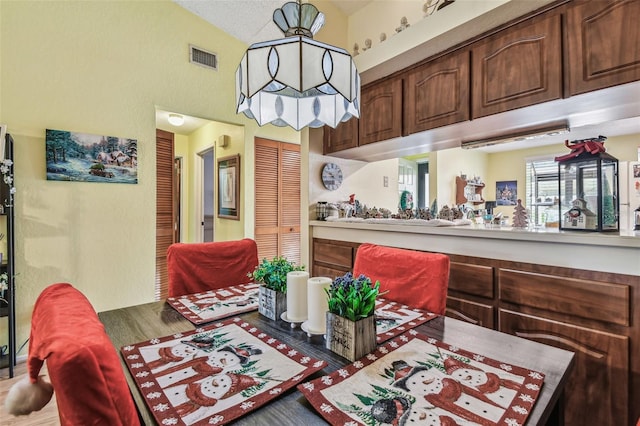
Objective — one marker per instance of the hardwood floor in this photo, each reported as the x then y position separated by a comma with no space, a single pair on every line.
45,417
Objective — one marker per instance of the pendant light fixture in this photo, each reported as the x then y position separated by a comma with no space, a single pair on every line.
297,81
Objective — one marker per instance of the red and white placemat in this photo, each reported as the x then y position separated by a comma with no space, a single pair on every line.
414,379
214,374
200,308
393,319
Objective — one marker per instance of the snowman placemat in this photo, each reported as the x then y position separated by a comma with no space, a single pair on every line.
414,379
214,374
200,308
393,319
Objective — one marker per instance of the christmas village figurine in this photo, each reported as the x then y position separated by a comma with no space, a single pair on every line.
520,216
579,216
446,213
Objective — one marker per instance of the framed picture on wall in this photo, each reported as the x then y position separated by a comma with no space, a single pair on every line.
84,157
507,193
229,187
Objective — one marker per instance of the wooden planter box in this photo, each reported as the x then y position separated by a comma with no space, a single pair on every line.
350,339
271,303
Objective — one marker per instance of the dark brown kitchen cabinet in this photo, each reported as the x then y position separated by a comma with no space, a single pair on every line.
381,111
437,93
472,312
471,292
332,258
344,136
597,390
603,44
517,67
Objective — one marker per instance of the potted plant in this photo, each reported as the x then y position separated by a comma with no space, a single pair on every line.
272,274
351,325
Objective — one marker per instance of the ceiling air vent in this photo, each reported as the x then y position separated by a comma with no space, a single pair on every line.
202,57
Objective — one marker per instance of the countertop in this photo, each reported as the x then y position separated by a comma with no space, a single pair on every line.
617,252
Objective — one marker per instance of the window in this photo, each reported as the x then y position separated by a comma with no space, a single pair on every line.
542,191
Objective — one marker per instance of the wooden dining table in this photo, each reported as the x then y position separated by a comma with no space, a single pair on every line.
135,324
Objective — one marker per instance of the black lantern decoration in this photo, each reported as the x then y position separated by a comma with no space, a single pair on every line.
588,187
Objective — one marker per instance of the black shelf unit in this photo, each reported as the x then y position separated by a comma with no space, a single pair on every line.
9,266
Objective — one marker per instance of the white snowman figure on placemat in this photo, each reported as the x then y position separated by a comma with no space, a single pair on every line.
224,359
206,393
445,393
497,389
169,356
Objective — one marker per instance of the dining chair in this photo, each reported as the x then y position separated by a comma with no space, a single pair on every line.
83,366
414,278
199,267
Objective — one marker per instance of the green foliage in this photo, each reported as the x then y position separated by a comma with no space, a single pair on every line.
353,298
273,273
97,166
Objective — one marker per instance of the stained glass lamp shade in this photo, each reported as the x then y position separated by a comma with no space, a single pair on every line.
297,81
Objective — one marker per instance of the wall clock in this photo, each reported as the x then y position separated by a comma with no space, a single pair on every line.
331,176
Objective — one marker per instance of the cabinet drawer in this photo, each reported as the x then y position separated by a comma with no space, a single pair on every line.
582,298
598,387
325,271
471,279
333,254
471,312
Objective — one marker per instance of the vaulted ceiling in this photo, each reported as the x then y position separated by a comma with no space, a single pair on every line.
251,20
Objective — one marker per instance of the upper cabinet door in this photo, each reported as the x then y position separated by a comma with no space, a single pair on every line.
517,67
603,44
344,136
381,111
438,93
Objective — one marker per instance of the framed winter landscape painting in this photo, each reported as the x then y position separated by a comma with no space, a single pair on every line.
83,157
506,193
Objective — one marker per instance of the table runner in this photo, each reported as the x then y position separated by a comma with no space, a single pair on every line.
214,374
415,379
200,308
393,319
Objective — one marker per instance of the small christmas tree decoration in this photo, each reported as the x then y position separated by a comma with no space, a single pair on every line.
520,216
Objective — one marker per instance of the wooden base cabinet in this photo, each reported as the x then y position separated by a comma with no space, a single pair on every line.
472,312
598,389
332,258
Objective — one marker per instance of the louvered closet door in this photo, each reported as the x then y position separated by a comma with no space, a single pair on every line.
165,213
277,195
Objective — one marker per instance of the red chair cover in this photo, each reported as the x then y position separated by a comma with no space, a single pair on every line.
414,278
198,267
83,365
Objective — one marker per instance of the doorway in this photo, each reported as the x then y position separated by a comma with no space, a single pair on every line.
423,185
207,174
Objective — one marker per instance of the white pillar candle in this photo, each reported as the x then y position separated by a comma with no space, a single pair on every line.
318,304
297,295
